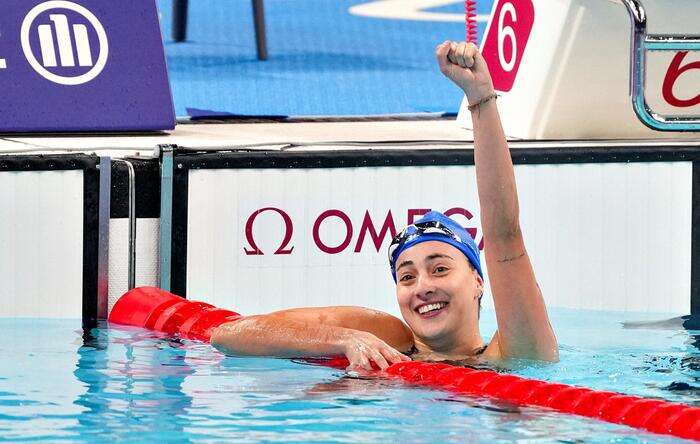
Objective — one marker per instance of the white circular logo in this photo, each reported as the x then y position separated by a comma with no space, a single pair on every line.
66,45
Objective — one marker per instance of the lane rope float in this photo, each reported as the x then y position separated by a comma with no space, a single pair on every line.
158,310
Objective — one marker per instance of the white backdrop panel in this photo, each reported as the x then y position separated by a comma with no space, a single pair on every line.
147,255
41,244
610,236
602,236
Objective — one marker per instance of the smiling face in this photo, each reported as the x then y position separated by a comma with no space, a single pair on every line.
438,294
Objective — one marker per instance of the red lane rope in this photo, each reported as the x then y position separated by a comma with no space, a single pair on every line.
649,414
470,20
159,310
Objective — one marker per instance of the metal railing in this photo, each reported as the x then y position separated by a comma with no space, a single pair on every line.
166,214
641,43
132,221
104,208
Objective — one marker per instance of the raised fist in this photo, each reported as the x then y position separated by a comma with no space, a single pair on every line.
465,66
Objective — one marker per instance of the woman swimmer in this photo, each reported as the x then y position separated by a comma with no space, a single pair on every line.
437,269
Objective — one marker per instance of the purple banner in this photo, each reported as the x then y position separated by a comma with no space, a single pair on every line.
83,66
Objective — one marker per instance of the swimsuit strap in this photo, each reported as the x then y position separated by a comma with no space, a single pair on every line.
481,350
414,350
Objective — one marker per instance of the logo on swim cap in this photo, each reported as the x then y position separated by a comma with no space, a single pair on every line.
434,226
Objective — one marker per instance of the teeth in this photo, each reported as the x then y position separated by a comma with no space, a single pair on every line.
431,307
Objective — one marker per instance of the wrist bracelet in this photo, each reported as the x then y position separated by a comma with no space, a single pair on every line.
491,96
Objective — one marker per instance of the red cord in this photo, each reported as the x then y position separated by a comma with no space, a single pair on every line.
470,13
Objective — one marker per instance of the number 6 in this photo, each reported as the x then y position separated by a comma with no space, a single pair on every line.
504,32
675,71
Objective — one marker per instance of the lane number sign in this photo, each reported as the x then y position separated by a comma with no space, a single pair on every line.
675,70
506,40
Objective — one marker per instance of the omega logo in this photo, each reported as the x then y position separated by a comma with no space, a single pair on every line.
368,228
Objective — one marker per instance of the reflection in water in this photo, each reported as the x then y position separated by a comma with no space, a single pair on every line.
694,340
92,360
144,384
349,384
144,387
688,366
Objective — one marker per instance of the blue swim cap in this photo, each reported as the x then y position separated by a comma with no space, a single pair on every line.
435,226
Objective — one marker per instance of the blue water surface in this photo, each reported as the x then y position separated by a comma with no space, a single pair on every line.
322,60
58,383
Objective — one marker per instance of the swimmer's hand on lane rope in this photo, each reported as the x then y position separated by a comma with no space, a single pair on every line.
465,66
362,348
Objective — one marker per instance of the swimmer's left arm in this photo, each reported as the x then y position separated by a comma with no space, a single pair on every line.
361,334
524,330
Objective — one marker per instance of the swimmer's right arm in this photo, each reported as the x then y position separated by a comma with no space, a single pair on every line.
524,330
362,335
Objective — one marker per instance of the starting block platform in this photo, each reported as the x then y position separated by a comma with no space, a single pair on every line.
595,69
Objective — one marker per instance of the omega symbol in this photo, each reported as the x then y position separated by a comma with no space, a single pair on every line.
69,54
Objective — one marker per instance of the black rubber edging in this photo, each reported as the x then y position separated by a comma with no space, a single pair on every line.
178,264
695,244
91,229
147,189
426,157
59,162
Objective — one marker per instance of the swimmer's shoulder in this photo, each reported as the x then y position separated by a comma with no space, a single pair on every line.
492,351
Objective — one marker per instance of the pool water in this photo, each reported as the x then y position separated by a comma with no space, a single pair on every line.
58,383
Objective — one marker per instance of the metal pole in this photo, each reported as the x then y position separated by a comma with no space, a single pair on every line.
260,35
132,222
664,43
105,203
166,214
180,8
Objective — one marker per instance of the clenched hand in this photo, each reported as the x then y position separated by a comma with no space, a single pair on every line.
465,66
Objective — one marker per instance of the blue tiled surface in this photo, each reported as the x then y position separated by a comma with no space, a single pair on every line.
322,60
